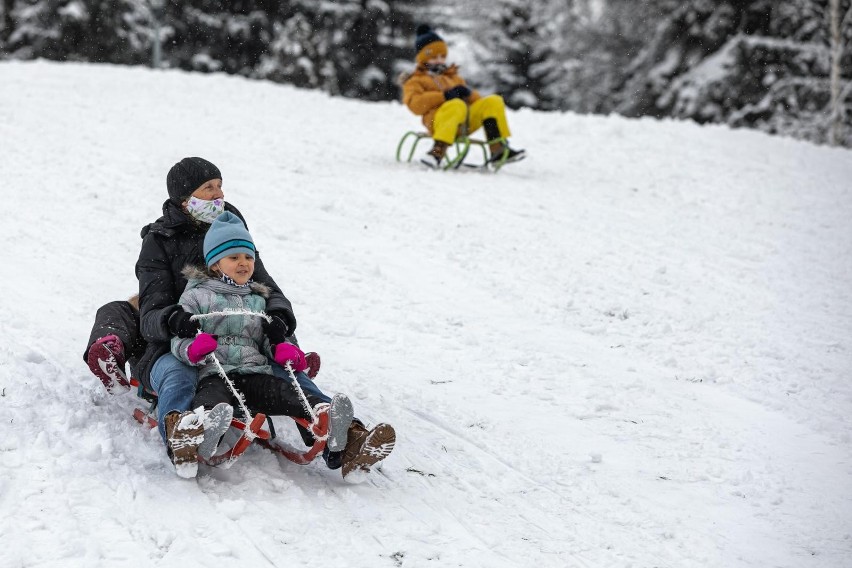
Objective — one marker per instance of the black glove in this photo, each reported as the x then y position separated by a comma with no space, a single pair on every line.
284,327
276,330
460,92
181,325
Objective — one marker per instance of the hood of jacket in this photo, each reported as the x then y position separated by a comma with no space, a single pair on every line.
451,71
197,276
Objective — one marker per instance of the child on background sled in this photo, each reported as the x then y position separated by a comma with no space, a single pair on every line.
436,92
243,342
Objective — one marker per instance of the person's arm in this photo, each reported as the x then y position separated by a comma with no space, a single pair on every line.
156,291
474,95
276,301
189,302
420,99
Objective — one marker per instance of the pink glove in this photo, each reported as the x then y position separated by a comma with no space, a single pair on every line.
288,353
201,346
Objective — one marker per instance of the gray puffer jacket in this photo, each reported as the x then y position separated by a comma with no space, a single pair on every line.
243,345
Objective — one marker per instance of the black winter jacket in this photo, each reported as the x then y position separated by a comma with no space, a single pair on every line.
169,244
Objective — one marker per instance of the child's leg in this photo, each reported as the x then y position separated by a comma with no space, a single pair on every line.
447,120
309,387
271,395
218,401
311,390
491,106
212,390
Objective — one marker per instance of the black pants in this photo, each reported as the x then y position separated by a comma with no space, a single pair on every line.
263,393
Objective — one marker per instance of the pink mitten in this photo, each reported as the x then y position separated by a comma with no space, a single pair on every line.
201,346
289,353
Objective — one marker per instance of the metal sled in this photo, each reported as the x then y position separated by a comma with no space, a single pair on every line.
457,152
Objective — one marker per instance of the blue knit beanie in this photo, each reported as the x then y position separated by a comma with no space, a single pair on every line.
428,44
227,235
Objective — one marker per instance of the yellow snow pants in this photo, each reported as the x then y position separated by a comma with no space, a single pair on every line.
453,114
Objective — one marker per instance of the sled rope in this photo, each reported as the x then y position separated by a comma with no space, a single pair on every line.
234,312
240,398
302,397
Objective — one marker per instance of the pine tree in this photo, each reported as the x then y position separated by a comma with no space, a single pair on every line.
759,64
514,55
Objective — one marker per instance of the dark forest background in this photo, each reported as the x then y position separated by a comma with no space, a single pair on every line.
778,66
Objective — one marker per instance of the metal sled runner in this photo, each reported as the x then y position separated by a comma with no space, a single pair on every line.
457,152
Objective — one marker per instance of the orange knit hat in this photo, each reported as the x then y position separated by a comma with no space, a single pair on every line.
428,44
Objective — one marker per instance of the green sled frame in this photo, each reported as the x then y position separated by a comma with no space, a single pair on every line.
457,152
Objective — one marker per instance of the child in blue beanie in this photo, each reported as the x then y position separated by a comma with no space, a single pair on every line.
235,329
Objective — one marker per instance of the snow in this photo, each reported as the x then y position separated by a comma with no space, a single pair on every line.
631,349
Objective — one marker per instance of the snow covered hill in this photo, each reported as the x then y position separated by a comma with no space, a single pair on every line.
631,349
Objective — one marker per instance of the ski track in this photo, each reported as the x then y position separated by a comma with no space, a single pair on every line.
630,349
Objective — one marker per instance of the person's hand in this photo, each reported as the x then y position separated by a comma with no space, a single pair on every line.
284,353
201,347
181,325
460,92
276,330
287,318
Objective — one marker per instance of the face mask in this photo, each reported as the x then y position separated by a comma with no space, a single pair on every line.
205,211
436,68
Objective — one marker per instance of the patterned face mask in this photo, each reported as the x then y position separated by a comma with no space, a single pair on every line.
205,211
228,280
436,68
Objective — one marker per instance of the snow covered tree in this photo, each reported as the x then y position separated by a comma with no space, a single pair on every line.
594,41
57,29
514,57
760,64
8,22
347,48
840,88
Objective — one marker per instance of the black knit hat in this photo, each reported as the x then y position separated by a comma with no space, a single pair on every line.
426,37
188,175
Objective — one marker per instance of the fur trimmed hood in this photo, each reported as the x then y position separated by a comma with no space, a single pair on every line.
195,275
452,69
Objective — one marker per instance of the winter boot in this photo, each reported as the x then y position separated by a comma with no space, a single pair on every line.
184,432
340,416
435,156
216,422
498,145
492,132
365,449
511,155
106,360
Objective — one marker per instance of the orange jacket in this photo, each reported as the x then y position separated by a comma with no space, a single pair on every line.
423,92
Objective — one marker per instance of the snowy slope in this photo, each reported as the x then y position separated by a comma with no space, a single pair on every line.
632,349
